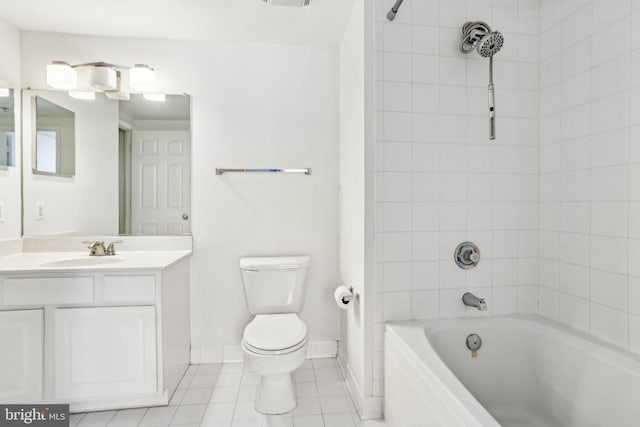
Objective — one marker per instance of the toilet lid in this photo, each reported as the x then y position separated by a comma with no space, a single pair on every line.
273,332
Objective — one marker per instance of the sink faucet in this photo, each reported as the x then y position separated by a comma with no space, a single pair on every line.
96,249
99,249
471,300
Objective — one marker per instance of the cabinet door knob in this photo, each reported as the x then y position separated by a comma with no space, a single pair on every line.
185,216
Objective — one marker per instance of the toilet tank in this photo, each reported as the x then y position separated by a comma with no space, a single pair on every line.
274,284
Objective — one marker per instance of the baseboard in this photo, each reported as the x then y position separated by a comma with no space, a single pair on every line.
233,354
368,407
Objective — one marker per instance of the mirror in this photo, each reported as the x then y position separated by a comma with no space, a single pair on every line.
7,127
132,167
54,140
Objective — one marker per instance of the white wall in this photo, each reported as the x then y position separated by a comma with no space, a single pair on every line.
86,203
439,180
254,105
11,228
590,167
355,204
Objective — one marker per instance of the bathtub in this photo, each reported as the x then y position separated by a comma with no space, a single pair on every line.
530,371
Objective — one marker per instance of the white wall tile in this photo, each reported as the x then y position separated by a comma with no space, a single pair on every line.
609,324
425,304
425,40
397,38
609,289
425,246
609,253
397,306
574,312
574,280
426,275
396,276
397,67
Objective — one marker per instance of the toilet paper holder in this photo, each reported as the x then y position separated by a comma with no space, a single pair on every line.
348,298
354,296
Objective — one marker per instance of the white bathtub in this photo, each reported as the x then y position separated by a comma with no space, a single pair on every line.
529,372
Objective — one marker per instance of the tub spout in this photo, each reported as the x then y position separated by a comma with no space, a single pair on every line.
471,300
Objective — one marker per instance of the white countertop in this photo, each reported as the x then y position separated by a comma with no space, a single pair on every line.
36,262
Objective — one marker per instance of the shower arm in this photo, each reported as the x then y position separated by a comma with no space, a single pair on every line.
392,13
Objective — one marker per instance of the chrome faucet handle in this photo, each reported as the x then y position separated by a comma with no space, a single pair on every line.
111,249
96,248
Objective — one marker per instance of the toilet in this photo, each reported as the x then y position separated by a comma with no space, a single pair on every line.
274,343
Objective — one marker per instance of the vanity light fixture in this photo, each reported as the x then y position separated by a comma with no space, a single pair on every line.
82,94
157,97
103,77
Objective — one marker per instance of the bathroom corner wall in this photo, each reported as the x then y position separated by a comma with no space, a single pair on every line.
590,167
356,205
439,180
10,191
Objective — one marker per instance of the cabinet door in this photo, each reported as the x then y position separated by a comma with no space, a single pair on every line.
104,351
21,352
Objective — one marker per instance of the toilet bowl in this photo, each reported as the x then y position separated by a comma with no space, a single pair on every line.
275,345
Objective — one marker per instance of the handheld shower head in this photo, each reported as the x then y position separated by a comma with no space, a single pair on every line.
490,44
479,35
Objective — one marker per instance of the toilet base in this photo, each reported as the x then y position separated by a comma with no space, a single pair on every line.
276,394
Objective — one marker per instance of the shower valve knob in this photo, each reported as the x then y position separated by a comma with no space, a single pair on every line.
467,255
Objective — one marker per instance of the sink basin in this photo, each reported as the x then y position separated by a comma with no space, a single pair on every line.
86,261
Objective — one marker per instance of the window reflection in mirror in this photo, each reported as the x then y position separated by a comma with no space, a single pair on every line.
54,139
7,128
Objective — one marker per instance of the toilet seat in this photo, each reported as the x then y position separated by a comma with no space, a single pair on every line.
275,334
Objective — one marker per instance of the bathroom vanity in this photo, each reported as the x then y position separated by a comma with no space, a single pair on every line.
95,332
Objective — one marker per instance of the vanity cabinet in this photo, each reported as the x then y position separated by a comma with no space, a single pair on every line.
21,351
95,339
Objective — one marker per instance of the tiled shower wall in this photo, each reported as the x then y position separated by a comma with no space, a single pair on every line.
590,167
439,180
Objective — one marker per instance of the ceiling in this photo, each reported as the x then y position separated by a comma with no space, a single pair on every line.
321,23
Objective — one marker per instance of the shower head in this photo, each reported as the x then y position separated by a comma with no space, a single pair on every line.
478,35
490,44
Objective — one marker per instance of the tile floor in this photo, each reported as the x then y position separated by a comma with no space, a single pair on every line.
222,395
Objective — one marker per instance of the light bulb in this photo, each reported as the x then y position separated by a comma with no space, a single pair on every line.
142,78
103,78
61,75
